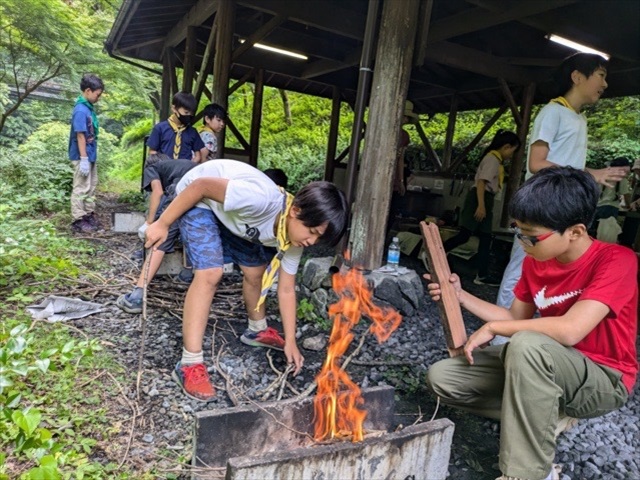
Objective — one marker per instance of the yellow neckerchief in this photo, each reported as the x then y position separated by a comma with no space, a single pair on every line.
563,101
496,154
205,128
271,273
178,129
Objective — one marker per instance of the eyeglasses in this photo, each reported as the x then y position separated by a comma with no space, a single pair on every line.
529,241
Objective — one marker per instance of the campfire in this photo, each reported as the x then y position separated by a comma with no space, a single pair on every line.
338,405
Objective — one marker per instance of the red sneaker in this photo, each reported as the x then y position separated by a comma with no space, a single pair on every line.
268,337
194,381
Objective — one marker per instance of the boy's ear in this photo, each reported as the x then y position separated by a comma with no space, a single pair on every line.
577,230
577,77
294,212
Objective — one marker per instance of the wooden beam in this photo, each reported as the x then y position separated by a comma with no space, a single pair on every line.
449,306
431,153
231,126
258,35
451,127
165,89
132,13
195,17
332,142
222,62
394,59
476,19
207,62
320,67
490,123
245,78
424,21
188,60
141,44
518,162
256,117
508,96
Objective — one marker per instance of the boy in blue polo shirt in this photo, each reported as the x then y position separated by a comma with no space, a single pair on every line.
175,136
83,153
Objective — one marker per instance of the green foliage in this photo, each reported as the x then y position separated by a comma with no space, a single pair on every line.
307,313
24,362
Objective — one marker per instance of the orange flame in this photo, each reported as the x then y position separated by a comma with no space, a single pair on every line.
338,403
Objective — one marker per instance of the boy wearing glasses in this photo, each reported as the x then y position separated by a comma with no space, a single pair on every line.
579,359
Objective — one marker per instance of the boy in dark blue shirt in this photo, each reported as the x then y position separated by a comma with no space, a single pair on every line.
175,136
83,153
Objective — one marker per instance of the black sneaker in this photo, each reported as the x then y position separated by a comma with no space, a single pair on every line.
492,282
81,226
92,219
185,277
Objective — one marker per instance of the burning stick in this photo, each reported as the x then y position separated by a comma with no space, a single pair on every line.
338,403
449,306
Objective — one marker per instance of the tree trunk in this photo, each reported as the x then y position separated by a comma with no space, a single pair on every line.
286,106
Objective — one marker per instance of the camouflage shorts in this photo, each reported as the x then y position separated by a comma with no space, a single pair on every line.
210,244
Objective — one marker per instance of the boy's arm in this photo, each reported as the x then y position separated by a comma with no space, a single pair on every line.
213,188
82,144
154,200
288,306
204,153
197,156
481,211
567,329
538,152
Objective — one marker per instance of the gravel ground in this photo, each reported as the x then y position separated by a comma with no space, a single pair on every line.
602,448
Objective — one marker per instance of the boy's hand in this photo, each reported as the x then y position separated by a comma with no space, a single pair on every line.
293,356
156,233
479,339
480,214
434,288
609,176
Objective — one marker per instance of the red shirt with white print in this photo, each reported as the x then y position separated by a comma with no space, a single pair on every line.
606,273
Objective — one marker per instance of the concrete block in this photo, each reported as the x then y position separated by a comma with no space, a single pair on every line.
171,264
127,222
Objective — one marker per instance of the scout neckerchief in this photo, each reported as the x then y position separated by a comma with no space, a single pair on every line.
271,273
563,101
94,117
496,154
178,129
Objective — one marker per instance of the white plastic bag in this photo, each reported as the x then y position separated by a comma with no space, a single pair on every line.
608,229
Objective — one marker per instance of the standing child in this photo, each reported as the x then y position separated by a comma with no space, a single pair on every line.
609,202
477,211
175,136
214,118
579,359
83,153
559,138
160,176
229,211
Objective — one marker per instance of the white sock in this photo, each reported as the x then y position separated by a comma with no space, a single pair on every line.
189,358
258,325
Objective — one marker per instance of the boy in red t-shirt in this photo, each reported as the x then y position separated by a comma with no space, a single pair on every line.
579,359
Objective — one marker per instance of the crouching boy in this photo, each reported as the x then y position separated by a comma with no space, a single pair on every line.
230,210
577,360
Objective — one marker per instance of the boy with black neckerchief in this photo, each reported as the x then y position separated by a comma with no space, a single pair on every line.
579,359
228,211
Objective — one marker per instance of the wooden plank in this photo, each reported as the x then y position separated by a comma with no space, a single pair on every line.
256,118
448,305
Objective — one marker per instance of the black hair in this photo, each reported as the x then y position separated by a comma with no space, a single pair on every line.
213,110
91,81
184,100
154,158
620,162
320,203
502,138
556,198
278,176
585,63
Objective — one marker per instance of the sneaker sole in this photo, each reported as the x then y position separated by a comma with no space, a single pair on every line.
176,378
255,343
127,309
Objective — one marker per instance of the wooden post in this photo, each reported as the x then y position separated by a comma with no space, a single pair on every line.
448,305
332,144
207,63
451,128
256,117
519,160
188,60
165,89
389,91
225,22
432,155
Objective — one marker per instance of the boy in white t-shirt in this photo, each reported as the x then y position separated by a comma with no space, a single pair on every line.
228,211
559,138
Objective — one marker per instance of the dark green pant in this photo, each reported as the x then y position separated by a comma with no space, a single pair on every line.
526,384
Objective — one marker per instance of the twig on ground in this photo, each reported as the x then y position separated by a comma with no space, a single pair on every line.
435,412
124,256
143,322
374,363
228,383
134,416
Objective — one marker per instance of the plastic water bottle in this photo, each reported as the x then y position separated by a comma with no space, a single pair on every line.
393,255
